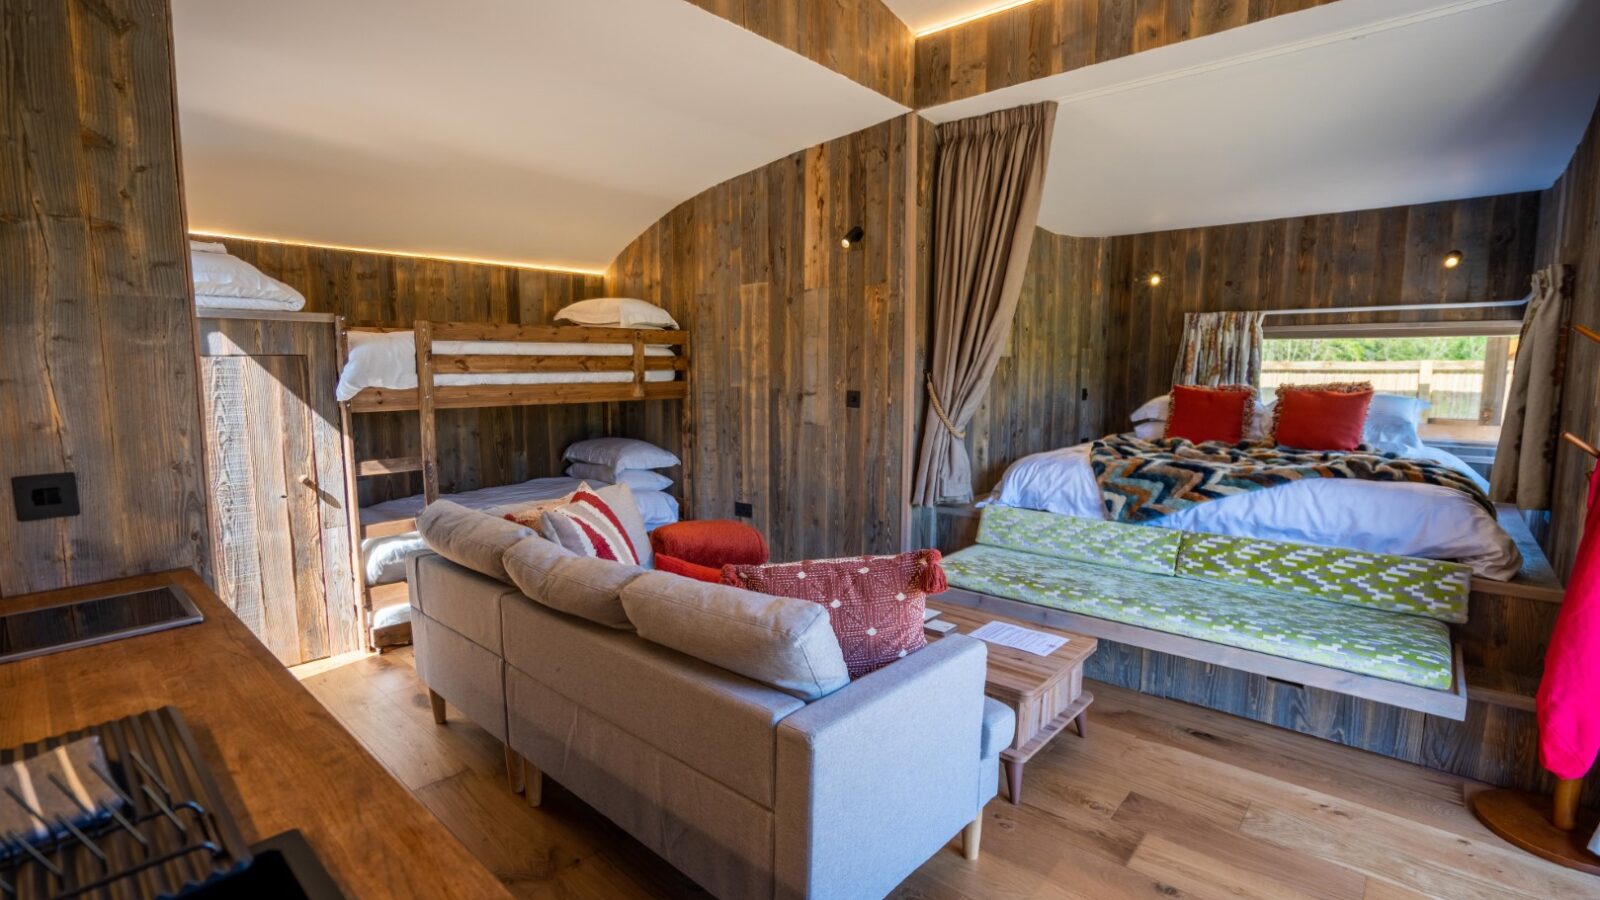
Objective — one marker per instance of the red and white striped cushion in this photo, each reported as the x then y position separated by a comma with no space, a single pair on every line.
588,526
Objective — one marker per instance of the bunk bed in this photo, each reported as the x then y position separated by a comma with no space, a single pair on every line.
461,365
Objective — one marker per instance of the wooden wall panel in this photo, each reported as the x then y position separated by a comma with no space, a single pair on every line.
1365,258
785,326
1048,390
1048,37
477,447
1569,234
97,347
860,39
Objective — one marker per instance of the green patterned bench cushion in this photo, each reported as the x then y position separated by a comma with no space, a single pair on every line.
1402,584
1404,648
1137,547
1394,583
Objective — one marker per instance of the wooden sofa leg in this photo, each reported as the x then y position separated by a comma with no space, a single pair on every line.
971,836
437,702
532,783
515,771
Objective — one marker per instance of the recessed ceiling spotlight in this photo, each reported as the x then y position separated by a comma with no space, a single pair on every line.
853,236
1452,259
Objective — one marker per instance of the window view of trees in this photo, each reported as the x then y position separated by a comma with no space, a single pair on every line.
1384,349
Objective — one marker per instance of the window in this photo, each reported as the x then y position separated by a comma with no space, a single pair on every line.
1465,377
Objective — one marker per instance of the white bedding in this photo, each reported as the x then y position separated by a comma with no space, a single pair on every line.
389,360
383,560
1422,520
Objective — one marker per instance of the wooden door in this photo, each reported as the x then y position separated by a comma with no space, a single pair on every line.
263,472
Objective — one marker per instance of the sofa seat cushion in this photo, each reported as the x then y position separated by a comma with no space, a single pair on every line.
710,719
1137,547
1403,584
999,728
1397,647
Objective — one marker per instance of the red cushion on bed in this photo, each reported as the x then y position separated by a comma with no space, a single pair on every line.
676,566
711,542
1203,414
1324,417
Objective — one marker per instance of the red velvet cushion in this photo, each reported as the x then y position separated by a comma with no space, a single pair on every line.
1321,417
711,542
676,566
874,603
1203,414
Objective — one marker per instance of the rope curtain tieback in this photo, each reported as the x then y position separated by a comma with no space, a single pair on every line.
938,410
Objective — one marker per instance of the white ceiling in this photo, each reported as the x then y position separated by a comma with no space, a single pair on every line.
532,132
1354,105
921,15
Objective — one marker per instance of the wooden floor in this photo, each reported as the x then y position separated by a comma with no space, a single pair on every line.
1162,800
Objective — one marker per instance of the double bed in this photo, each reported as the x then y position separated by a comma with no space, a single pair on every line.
1402,519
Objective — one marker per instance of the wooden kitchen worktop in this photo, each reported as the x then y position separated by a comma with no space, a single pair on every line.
281,759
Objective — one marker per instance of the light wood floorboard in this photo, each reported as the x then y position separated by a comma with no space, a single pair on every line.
1162,800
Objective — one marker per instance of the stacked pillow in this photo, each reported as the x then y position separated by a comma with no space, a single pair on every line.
612,460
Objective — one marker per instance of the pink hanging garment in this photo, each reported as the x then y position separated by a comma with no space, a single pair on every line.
1569,693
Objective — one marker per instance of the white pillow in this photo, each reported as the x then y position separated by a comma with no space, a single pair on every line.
219,277
620,453
1392,422
619,312
1150,431
638,479
1154,410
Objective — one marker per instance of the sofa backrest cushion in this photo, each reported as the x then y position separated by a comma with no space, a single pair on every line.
1403,584
467,537
581,586
1138,547
778,641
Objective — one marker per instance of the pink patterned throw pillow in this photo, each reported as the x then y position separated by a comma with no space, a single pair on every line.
874,603
586,525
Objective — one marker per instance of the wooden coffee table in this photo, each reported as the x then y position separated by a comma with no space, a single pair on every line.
1046,692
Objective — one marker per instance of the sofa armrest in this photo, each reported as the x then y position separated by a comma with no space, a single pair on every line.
875,778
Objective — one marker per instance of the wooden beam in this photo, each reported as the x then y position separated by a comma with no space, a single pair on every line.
426,421
388,529
397,465
507,364
479,395
556,334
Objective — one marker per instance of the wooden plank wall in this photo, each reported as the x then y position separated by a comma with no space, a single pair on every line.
1049,388
478,447
1569,233
863,40
785,324
97,347
1048,37
1371,257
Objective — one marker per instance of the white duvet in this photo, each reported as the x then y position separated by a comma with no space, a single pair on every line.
1421,520
388,360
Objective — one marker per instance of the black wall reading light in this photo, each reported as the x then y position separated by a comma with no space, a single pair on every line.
1452,259
853,236
1153,279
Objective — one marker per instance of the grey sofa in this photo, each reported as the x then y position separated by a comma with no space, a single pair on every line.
747,789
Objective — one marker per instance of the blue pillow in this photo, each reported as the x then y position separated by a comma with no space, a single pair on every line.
1392,422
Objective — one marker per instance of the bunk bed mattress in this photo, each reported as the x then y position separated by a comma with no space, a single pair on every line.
1401,519
383,559
388,360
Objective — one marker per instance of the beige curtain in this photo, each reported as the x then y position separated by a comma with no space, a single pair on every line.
1219,348
988,177
1525,462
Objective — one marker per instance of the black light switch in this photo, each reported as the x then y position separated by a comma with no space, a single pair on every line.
852,399
743,510
45,496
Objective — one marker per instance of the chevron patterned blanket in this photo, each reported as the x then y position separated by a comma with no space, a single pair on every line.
1145,480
